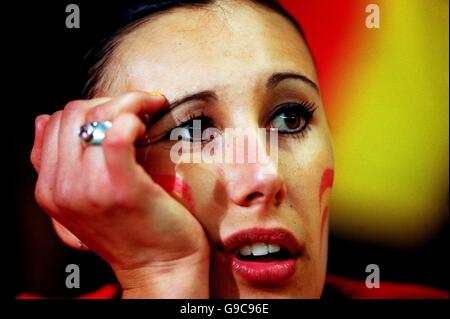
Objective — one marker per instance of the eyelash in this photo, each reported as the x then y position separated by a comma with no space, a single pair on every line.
189,118
307,108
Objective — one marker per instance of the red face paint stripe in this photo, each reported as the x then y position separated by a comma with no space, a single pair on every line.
174,184
327,181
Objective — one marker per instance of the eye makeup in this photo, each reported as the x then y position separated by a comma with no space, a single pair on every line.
188,125
291,118
160,130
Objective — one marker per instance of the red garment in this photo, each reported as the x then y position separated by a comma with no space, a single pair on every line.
356,289
344,287
110,291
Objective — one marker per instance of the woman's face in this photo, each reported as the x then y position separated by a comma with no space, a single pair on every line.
238,55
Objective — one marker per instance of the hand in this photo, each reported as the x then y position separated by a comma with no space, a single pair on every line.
108,201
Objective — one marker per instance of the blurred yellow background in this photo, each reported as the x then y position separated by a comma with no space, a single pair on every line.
390,126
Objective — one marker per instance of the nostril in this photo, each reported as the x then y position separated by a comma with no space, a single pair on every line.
256,197
256,189
279,196
253,197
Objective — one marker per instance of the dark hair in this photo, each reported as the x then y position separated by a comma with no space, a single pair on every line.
133,14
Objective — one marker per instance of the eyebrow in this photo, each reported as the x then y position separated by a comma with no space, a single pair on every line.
206,96
209,95
202,96
276,78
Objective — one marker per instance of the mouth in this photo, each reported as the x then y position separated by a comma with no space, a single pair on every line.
262,252
263,255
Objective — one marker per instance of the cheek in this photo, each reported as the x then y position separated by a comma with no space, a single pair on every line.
206,190
176,186
194,185
308,170
156,162
211,198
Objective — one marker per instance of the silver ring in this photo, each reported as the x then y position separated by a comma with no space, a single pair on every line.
93,133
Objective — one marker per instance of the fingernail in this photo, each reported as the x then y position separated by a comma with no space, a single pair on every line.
156,93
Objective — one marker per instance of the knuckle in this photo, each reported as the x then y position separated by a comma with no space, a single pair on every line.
94,202
131,121
40,195
73,105
132,118
54,119
56,115
94,194
61,198
63,194
131,97
33,158
114,139
125,198
96,113
43,197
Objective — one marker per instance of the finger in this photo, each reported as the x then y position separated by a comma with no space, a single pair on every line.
35,156
111,171
49,161
70,147
119,141
135,102
68,189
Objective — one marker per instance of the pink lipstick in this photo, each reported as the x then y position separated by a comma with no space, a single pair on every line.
263,255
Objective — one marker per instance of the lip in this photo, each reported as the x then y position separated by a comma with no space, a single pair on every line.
263,272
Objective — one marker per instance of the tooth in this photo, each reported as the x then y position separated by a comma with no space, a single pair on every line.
245,250
259,249
272,248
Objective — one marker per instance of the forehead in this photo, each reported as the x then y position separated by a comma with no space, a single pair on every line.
215,47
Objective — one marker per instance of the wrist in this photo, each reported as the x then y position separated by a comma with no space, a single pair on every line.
186,278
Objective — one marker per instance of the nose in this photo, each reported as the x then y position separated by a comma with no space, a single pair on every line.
251,187
252,183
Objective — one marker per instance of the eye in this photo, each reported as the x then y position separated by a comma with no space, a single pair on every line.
192,130
292,118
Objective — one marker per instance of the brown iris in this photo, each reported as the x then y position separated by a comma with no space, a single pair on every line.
291,118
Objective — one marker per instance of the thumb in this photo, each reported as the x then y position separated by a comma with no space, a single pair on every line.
68,237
